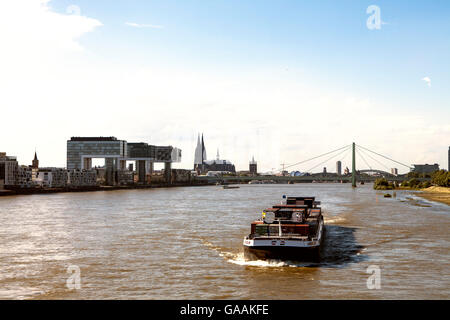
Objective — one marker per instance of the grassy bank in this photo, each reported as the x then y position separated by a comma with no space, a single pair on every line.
439,194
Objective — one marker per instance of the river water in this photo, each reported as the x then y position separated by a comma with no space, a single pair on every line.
186,243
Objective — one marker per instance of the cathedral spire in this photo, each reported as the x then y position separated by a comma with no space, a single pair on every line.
203,150
198,152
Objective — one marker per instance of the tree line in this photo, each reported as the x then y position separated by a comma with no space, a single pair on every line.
439,178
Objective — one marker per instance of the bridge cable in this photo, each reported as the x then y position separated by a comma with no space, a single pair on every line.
357,150
295,164
348,150
387,168
345,155
385,157
328,159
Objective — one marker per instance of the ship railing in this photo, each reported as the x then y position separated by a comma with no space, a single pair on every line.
295,236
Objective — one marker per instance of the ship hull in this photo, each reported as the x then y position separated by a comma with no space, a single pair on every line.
282,253
284,249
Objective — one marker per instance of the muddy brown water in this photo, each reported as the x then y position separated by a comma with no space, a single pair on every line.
186,243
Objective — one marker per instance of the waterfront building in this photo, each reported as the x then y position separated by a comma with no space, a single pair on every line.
182,175
82,178
8,170
218,165
339,168
425,168
81,150
101,175
125,177
253,167
52,177
24,177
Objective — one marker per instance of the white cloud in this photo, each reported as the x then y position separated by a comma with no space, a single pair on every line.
29,24
40,50
138,25
427,80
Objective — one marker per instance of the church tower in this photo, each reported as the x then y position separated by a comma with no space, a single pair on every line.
35,162
253,167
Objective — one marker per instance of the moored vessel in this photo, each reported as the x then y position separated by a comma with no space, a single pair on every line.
293,230
230,187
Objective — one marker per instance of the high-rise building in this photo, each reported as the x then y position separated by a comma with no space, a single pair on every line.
338,168
449,159
394,171
253,166
324,170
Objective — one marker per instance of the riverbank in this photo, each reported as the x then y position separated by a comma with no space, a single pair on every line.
439,194
29,191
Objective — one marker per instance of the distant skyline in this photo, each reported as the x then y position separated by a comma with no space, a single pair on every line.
281,81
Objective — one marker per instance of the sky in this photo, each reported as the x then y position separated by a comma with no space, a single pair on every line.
282,81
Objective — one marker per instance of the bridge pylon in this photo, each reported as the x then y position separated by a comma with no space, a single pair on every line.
353,166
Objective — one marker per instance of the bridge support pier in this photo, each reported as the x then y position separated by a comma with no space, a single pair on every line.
168,172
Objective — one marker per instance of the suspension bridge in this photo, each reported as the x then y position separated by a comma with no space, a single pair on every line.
368,173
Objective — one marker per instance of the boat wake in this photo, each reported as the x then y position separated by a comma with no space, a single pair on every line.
334,219
223,253
239,259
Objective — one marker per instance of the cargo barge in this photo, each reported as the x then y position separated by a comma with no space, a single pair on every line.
293,230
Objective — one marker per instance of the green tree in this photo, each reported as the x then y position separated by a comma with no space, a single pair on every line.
413,183
441,178
382,184
413,174
425,184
